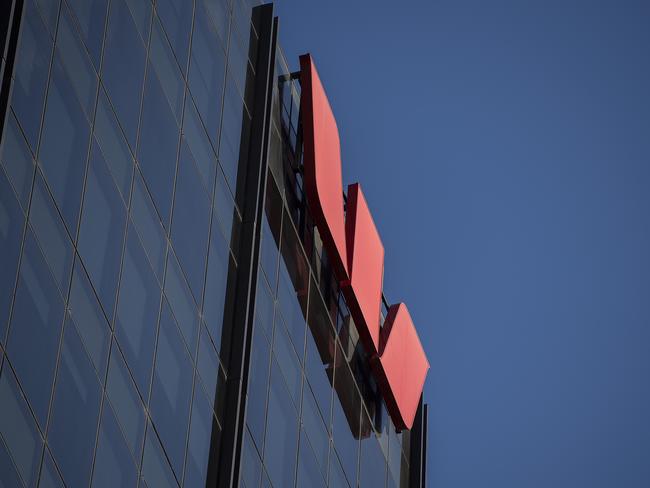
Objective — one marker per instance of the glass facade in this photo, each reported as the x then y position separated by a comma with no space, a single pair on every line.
121,224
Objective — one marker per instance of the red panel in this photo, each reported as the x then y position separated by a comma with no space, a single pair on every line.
401,367
366,268
322,162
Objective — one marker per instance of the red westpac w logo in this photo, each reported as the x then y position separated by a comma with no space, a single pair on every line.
355,249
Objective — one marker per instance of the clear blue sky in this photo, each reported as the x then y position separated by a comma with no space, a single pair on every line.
504,148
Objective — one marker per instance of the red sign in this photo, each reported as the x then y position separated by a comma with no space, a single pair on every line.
354,246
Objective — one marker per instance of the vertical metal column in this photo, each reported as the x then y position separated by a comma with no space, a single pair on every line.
223,470
10,16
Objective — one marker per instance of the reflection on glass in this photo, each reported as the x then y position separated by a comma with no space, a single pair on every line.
172,390
114,465
35,329
123,67
137,312
102,230
64,145
75,411
18,429
155,469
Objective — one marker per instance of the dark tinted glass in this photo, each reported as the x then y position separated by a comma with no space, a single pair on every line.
281,430
158,143
315,427
11,228
89,318
50,476
91,15
113,145
35,329
336,477
199,144
148,224
235,120
123,67
75,411
207,363
114,465
181,302
155,469
269,254
288,360
49,10
251,468
137,312
165,65
176,16
308,469
372,469
172,390
203,429
51,234
191,222
225,214
207,71
18,431
219,261
65,146
75,60
258,381
126,403
101,234
8,474
17,160
30,73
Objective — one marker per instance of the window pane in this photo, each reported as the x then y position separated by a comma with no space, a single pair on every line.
65,145
155,469
148,224
50,12
91,15
101,234
269,254
123,67
114,465
18,428
251,469
235,121
176,16
225,214
75,411
113,145
164,64
281,430
159,140
288,360
336,476
208,364
372,470
199,144
17,160
75,60
30,73
35,328
141,12
308,469
172,390
51,234
137,312
89,318
126,403
11,228
258,383
182,304
219,261
8,474
50,477
191,222
204,432
207,70
315,427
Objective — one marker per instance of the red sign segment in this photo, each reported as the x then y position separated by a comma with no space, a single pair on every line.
365,268
401,366
354,246
322,163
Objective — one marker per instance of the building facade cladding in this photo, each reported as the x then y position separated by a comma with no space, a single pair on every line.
167,314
